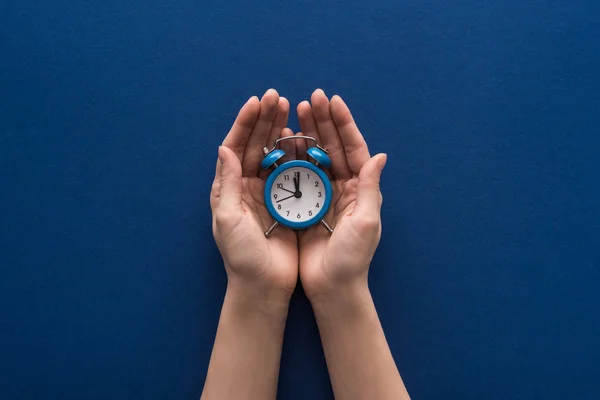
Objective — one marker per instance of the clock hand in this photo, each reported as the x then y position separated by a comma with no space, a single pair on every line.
285,198
298,193
287,190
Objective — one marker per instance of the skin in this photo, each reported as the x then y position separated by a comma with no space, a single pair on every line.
261,272
333,269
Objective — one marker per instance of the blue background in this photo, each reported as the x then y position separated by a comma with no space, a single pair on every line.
487,277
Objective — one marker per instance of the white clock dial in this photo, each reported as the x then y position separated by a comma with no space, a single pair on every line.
298,194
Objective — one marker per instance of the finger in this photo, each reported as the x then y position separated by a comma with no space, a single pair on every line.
355,147
368,195
238,135
330,138
288,145
280,122
308,125
260,133
230,180
300,147
216,187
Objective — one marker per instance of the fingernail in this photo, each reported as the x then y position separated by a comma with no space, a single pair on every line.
270,92
319,91
383,161
221,154
284,104
337,98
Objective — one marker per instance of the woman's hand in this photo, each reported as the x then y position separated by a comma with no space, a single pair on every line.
337,263
334,268
262,272
257,268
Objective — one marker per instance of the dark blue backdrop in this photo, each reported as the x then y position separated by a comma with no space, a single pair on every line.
487,278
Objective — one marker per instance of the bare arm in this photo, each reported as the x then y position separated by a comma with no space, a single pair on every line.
261,272
334,268
358,357
247,350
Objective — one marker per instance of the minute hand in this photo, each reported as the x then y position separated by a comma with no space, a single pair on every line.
285,198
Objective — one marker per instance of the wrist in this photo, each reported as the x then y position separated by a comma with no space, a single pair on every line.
342,299
250,297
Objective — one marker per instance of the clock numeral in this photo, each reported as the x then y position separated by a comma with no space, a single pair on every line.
296,174
310,213
316,183
288,214
286,177
280,186
307,176
319,194
279,206
298,216
275,196
317,205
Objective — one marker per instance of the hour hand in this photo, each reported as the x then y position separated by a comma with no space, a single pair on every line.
287,190
297,183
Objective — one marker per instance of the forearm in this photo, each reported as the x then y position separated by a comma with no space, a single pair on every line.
245,360
358,357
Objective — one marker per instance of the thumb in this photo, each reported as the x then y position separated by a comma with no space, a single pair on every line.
230,193
368,195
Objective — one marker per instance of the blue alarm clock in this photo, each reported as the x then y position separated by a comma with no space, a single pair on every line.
298,192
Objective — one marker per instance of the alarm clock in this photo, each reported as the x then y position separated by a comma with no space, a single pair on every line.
297,192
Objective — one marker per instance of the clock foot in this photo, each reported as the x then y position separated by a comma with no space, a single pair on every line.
326,225
268,232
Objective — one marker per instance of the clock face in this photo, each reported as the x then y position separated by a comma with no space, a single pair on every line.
299,195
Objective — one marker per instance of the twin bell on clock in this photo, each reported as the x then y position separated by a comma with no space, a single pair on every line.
297,192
